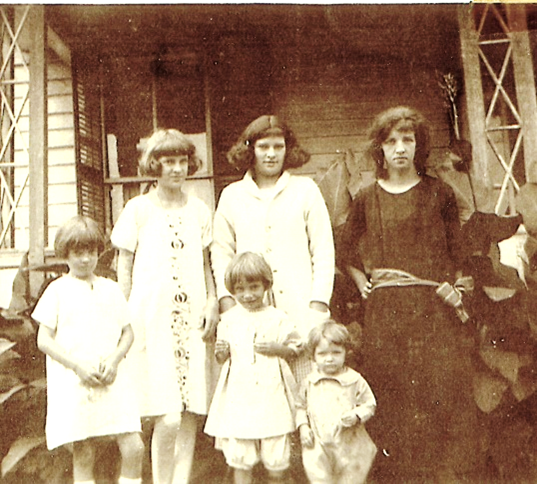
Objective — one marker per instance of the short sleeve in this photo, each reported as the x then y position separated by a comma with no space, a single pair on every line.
47,308
125,232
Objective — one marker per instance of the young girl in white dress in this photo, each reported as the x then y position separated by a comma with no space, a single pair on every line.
252,412
84,328
163,269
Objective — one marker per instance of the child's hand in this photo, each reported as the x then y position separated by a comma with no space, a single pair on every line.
88,374
108,369
221,350
272,348
306,436
349,419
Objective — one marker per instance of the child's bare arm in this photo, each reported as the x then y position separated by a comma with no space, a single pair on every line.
221,351
108,367
124,271
273,348
306,436
88,373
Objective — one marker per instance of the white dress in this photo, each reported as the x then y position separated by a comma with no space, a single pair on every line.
254,397
167,297
291,229
88,322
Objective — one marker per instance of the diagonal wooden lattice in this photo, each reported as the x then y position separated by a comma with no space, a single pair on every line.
502,41
12,55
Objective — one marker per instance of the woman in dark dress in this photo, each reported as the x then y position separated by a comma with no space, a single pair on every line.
415,349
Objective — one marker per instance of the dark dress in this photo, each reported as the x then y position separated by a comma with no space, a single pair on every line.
416,353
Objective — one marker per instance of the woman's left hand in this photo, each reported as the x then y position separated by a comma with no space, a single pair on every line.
209,319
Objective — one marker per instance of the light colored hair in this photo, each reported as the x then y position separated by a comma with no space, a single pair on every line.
249,267
333,332
167,142
78,233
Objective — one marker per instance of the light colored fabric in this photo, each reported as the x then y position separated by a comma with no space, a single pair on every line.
291,230
88,322
167,298
254,397
274,452
340,454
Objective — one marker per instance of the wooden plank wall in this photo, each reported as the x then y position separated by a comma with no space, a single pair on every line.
331,108
61,157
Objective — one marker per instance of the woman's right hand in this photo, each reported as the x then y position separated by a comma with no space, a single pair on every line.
362,282
221,350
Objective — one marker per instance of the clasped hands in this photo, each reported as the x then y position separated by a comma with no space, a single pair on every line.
94,376
307,438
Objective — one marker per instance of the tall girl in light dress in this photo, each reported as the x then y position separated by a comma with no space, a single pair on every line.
163,268
281,216
84,328
252,412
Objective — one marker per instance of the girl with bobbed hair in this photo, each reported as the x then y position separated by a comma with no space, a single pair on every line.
401,241
167,142
163,268
282,217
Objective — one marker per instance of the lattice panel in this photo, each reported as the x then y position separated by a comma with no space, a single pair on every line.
14,93
503,121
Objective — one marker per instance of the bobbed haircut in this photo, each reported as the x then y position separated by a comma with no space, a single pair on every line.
77,234
249,267
333,332
167,142
242,156
404,119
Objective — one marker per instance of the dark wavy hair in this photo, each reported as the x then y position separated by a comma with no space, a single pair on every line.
405,119
167,142
77,234
241,155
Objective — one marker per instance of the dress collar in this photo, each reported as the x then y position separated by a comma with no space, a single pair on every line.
254,189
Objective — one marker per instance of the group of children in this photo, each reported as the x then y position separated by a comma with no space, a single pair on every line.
97,387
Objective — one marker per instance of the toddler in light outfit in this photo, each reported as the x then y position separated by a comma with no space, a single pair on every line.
334,403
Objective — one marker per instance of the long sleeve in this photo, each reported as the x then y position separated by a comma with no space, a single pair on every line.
347,244
366,403
321,246
224,243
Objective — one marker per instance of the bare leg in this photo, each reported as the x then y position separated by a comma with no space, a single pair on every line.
163,447
132,454
242,476
185,445
83,461
275,476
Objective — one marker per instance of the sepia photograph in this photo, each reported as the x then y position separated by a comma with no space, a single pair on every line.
268,243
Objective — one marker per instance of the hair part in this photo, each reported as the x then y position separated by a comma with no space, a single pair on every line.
333,332
404,119
242,155
249,267
77,234
167,142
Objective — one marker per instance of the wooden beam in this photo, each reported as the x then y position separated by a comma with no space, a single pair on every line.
475,103
38,144
525,86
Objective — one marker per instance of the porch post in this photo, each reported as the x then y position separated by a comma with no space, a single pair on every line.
525,86
475,103
38,148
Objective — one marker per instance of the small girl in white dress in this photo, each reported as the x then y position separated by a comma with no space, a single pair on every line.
84,329
252,412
